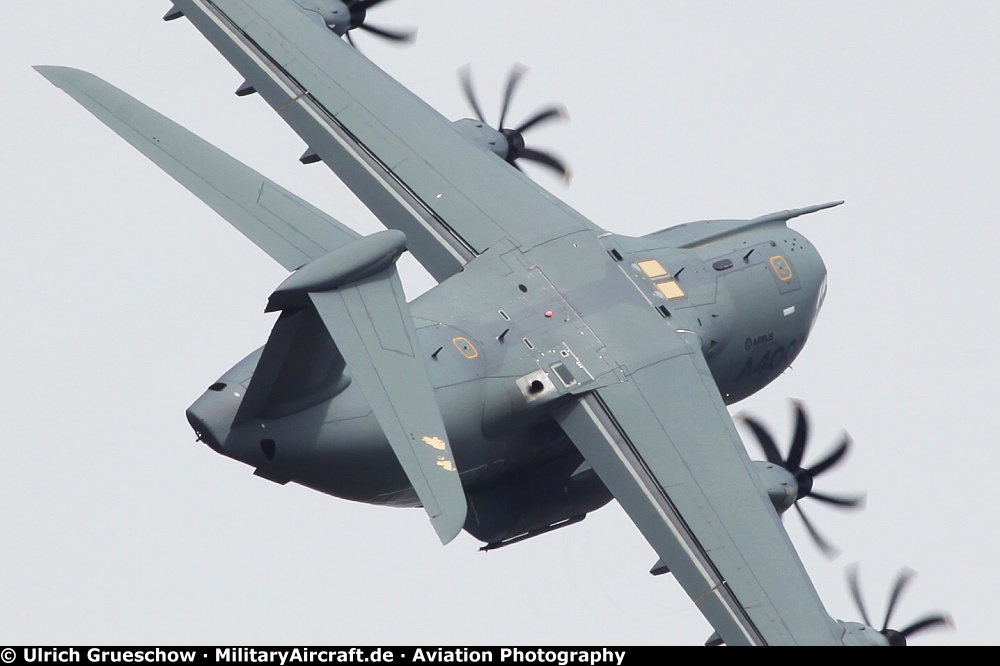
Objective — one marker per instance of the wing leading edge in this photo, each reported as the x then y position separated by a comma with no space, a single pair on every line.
404,160
666,447
661,440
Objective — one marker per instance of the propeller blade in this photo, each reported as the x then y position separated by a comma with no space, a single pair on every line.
854,582
365,4
904,578
766,441
546,159
895,637
831,459
516,72
465,76
515,139
350,40
848,502
798,449
542,116
806,477
828,549
927,622
394,35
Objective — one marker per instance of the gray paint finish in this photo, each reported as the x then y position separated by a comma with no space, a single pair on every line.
290,230
822,230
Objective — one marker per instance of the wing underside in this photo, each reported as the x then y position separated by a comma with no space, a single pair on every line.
290,230
665,446
660,439
405,161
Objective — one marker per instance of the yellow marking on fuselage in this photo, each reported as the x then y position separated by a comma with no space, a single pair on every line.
781,268
467,348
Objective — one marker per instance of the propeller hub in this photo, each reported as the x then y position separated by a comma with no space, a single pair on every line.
514,137
895,638
515,143
353,15
803,477
805,482
358,15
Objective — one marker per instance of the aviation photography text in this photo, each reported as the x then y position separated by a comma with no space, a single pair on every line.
311,655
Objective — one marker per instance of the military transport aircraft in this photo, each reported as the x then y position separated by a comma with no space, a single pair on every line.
555,366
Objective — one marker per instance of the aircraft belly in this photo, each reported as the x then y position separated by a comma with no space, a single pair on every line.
338,448
496,371
349,457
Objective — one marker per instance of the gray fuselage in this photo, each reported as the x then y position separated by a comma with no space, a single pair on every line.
512,333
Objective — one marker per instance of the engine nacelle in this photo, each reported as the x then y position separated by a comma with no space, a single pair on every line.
334,13
857,634
780,484
484,136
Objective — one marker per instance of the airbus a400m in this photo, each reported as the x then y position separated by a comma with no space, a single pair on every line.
555,367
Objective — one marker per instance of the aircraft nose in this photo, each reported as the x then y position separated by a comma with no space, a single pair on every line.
210,417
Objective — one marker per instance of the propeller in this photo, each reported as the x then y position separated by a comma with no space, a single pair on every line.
896,637
516,148
806,476
359,14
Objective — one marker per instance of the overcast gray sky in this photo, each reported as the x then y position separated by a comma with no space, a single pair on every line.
124,297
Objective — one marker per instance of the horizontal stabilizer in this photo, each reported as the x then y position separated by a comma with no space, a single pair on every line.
370,255
290,230
372,326
348,309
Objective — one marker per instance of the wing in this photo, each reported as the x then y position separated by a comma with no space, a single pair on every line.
664,444
290,230
404,160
